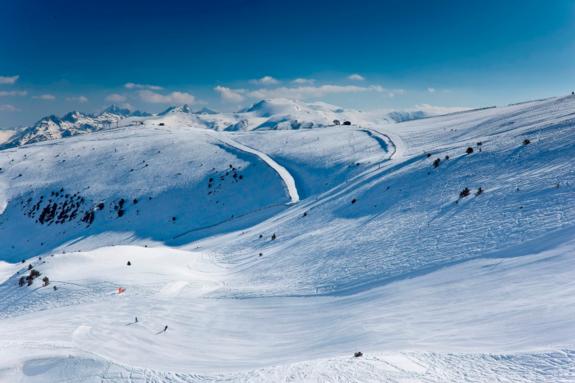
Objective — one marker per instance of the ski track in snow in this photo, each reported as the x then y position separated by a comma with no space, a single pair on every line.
285,175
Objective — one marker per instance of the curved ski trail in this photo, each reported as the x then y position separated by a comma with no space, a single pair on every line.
284,174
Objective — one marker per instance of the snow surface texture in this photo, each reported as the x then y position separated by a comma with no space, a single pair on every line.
275,255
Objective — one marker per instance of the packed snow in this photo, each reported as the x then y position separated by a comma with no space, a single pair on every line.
177,250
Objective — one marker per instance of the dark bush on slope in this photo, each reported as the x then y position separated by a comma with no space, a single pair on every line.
464,193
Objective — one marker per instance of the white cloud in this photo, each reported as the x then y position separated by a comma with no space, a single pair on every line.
45,97
266,80
9,93
230,95
302,92
9,79
431,90
131,85
391,93
171,98
115,97
303,81
79,99
356,77
8,108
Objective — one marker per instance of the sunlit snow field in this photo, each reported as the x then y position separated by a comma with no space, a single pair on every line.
275,255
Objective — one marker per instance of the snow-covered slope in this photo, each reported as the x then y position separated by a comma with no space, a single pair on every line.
441,248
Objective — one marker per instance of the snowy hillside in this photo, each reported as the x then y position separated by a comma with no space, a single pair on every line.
199,246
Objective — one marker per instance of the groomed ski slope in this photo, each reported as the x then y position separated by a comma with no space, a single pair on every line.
380,255
286,177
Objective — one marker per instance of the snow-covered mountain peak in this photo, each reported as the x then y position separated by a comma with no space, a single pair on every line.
115,109
177,109
274,106
206,110
73,116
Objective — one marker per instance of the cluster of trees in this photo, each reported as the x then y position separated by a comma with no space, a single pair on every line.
58,208
29,279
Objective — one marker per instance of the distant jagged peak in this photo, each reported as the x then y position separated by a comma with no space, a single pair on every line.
72,116
119,111
123,111
206,110
49,119
177,109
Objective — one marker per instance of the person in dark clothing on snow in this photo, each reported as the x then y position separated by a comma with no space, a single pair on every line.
163,331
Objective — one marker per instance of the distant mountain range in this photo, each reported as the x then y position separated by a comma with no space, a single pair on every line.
272,114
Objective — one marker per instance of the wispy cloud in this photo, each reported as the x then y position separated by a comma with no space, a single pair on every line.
431,90
266,80
391,93
171,98
11,93
131,85
302,92
78,99
116,97
45,97
9,80
230,95
356,77
303,81
8,108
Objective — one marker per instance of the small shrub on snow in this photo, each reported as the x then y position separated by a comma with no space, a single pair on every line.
464,193
469,150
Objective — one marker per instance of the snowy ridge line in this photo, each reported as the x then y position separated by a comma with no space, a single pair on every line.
284,174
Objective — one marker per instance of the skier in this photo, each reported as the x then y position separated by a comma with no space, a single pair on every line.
136,320
162,331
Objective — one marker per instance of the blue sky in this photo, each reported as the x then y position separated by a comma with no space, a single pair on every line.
57,56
